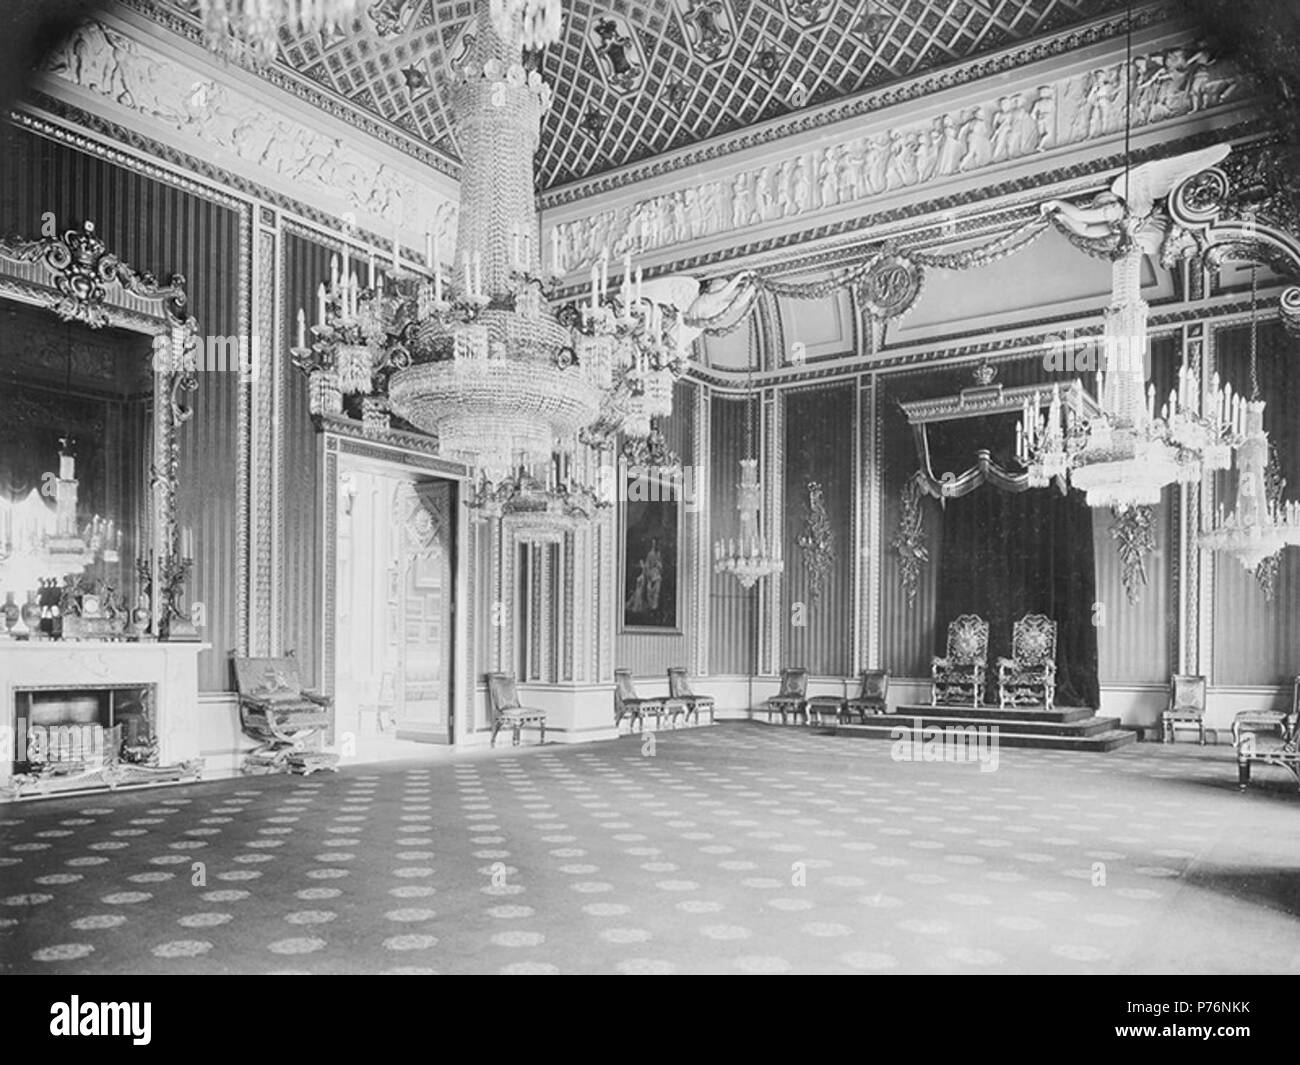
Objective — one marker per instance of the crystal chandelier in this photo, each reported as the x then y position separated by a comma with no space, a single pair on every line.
1260,524
479,359
750,557
251,28
37,544
537,21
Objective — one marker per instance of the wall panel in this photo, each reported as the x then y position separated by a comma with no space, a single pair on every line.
731,607
818,448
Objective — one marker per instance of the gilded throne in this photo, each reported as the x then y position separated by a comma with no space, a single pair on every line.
1028,677
958,676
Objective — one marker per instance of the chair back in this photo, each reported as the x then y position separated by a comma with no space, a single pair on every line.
794,683
1033,640
623,688
875,684
968,640
678,688
502,692
267,678
1187,692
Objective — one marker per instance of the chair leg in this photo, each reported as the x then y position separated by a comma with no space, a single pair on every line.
542,740
514,740
495,729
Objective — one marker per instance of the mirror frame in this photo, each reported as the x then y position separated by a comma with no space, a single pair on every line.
76,277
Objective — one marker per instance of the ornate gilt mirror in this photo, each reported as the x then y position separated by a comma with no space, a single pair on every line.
91,399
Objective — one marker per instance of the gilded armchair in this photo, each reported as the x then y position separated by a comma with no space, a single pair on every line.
958,676
275,710
1028,677
872,698
680,689
508,712
1284,725
628,704
1186,709
792,698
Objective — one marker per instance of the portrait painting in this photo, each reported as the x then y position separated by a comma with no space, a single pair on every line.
650,552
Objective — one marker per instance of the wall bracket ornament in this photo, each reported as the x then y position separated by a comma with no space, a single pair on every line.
817,541
909,541
1133,530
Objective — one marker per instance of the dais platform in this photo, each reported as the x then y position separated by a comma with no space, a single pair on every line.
1068,728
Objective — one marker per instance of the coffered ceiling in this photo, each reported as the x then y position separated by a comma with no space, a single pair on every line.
637,78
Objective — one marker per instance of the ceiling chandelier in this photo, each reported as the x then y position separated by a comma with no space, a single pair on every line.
479,359
251,28
751,556
1127,454
37,543
1259,524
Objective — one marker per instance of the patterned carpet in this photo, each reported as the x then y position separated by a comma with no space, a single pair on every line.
739,848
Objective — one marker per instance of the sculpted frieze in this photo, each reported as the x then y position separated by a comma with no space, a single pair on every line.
102,60
1166,84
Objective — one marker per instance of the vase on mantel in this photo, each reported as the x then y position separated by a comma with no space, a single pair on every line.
29,618
12,615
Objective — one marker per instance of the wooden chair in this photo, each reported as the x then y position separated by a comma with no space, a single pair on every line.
680,689
1028,677
872,696
958,676
792,698
275,710
1249,725
508,712
1186,708
628,703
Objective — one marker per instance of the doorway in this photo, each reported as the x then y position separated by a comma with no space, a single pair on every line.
394,605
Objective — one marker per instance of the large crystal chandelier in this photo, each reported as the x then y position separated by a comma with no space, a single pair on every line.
480,359
1139,443
1259,524
751,556
251,28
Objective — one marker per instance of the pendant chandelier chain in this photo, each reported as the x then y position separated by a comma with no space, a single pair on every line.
1254,331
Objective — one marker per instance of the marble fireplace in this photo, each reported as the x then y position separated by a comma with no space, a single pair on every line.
90,716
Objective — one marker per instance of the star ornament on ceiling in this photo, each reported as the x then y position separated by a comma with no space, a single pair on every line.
417,81
593,122
676,93
872,25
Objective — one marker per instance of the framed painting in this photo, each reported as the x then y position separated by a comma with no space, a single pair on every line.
649,556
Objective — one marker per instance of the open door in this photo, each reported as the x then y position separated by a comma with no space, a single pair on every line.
421,610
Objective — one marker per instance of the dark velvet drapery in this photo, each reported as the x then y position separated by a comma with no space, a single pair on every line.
1006,554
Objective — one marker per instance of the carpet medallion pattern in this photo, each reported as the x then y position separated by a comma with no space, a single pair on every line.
737,848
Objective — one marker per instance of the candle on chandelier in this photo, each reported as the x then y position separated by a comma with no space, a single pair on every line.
604,275
320,304
428,248
627,277
435,264
1151,402
370,273
514,245
640,281
1020,439
467,280
302,328
334,272
595,284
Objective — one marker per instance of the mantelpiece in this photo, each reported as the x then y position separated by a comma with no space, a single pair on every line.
170,669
